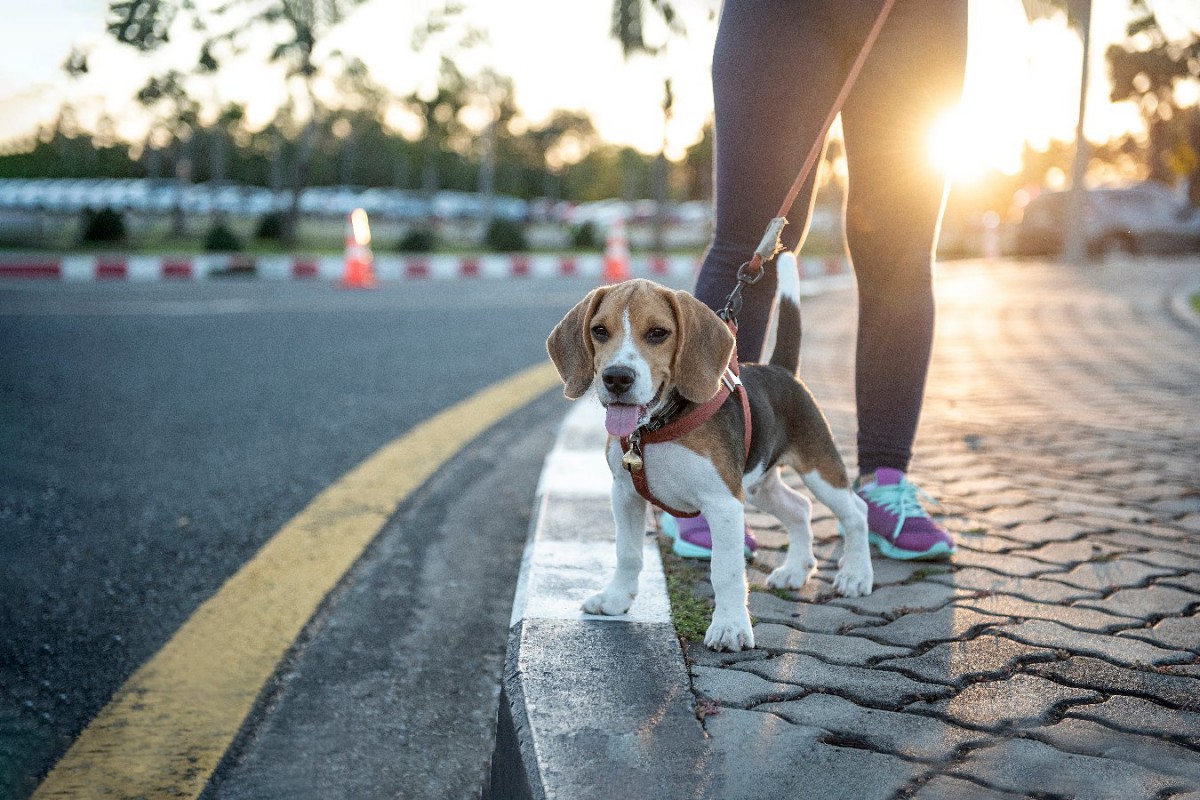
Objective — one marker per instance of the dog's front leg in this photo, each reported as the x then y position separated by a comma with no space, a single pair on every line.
730,628
629,513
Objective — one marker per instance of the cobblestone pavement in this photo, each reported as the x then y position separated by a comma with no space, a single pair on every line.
1058,654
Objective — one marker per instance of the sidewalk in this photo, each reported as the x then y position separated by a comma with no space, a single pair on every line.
1057,656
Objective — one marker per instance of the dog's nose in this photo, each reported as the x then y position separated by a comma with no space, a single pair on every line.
618,379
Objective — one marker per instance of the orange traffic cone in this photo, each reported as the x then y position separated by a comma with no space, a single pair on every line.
616,253
360,273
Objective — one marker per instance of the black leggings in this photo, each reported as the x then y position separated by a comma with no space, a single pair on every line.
777,69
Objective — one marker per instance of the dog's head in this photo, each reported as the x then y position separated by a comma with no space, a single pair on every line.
638,341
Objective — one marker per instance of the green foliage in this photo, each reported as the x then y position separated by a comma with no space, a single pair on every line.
103,226
271,227
586,237
505,236
220,239
418,240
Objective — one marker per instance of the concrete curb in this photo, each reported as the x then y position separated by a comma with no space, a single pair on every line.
586,698
388,268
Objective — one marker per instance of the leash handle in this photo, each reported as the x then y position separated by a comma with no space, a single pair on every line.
771,243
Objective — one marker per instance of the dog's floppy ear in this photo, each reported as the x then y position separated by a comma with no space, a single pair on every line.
570,346
703,350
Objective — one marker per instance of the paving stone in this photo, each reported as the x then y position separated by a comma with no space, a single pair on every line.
732,687
1075,552
943,787
1111,512
1110,575
839,649
1189,582
1033,768
1021,701
870,687
1120,650
1055,530
1167,559
1143,716
1180,633
815,617
1145,602
900,599
955,663
1037,590
919,628
1008,516
762,755
1006,605
982,540
893,732
1092,739
1014,566
1091,673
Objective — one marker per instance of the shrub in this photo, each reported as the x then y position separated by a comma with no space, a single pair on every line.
505,236
585,237
103,226
418,240
271,226
220,239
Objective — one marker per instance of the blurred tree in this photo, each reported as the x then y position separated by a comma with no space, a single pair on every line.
1147,70
440,102
628,30
296,27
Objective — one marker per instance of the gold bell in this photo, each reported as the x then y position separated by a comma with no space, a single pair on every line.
632,460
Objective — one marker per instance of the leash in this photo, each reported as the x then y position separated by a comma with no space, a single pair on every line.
752,271
749,273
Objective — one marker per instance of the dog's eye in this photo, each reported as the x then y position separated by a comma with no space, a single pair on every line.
600,333
657,335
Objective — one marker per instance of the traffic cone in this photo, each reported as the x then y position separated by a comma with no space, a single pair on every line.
616,253
360,273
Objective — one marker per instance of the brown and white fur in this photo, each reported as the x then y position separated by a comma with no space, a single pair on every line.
640,343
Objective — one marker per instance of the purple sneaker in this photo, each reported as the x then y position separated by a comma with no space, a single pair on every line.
692,537
899,526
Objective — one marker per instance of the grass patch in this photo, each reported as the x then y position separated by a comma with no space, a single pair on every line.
1196,302
690,614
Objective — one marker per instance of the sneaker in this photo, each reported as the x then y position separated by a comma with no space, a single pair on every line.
693,539
899,526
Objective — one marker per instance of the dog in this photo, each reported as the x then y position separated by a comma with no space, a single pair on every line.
654,353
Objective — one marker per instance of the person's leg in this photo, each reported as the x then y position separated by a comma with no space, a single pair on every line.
778,66
893,210
911,79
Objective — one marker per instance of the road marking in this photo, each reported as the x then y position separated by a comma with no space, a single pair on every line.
164,732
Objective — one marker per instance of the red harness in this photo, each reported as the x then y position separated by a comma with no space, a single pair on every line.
631,446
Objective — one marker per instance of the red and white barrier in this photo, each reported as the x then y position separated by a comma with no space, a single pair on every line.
387,268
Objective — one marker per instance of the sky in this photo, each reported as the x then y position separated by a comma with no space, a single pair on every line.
1022,78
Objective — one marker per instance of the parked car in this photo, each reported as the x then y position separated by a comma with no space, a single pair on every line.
1146,218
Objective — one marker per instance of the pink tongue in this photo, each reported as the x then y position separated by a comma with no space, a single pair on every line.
621,420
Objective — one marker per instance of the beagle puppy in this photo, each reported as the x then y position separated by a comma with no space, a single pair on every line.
652,352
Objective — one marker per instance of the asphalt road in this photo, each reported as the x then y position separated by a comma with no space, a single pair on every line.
153,437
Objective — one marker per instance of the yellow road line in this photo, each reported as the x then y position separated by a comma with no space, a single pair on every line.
166,729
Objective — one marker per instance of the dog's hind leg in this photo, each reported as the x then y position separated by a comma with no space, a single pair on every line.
855,575
794,510
629,513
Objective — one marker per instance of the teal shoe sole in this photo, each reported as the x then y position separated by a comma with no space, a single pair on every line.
938,552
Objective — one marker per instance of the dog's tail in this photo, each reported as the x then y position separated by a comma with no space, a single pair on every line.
786,350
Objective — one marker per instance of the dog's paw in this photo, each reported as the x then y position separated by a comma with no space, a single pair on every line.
792,576
608,603
854,579
730,632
